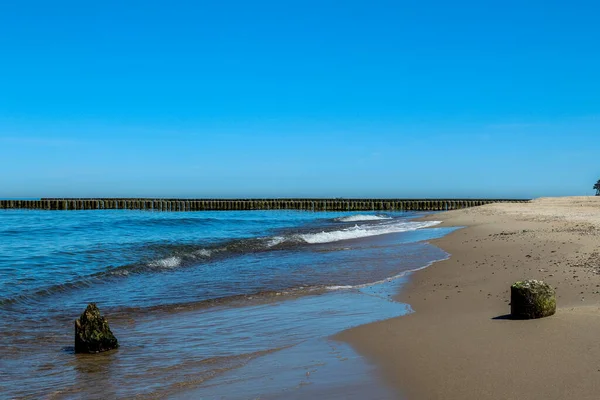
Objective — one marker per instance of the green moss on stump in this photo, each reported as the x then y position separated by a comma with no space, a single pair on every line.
92,333
532,299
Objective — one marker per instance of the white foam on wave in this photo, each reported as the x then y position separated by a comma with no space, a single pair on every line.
203,253
362,217
275,240
390,279
362,231
169,262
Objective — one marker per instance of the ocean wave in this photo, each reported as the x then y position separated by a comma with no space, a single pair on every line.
362,231
362,218
241,298
275,240
168,257
169,262
204,253
256,296
389,279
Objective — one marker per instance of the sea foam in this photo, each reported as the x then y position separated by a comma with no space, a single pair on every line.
275,240
362,217
357,232
389,279
169,262
203,253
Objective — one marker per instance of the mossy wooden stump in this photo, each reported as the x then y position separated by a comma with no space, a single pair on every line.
532,299
92,333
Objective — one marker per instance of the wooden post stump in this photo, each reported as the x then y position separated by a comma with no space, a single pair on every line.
92,333
532,299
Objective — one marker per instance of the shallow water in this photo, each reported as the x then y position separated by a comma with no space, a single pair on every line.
193,297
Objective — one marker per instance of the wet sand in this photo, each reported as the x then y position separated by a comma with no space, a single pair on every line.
459,343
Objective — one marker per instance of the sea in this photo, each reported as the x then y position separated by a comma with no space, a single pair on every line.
205,305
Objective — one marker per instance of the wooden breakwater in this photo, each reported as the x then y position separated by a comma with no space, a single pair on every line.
249,204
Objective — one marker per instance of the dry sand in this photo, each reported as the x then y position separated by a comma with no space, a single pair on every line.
458,345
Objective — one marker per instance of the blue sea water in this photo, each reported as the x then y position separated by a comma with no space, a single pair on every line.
192,296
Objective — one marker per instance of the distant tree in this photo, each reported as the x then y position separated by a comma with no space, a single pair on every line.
597,188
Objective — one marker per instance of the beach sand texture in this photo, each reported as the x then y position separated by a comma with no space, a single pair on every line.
459,343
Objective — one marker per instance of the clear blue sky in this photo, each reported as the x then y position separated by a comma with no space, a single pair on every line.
299,98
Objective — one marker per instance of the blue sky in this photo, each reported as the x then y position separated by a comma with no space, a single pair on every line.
299,98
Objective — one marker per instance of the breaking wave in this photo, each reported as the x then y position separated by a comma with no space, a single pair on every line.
362,231
169,257
362,217
169,262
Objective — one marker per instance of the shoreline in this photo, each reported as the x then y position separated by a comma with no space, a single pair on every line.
458,344
321,365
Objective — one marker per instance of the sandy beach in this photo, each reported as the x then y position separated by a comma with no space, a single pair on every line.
459,343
